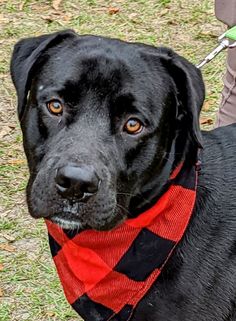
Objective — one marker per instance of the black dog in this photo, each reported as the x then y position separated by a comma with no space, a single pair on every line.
105,123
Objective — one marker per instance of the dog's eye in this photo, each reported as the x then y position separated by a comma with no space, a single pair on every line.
133,126
55,107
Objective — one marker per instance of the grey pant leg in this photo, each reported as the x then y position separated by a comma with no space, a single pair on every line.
226,12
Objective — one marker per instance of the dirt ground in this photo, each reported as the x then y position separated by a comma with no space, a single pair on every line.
29,287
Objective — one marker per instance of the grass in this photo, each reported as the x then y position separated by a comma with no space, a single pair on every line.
29,287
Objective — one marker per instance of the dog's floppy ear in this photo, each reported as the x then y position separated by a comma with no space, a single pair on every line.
190,91
25,55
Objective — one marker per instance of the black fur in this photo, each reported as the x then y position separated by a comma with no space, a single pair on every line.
102,82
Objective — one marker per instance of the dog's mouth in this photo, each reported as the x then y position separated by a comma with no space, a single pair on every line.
69,222
72,221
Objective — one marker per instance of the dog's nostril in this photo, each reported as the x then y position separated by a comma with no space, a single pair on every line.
63,181
90,188
73,181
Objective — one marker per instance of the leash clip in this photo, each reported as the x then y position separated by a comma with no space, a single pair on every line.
226,40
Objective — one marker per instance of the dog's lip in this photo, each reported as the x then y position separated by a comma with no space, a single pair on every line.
66,222
70,222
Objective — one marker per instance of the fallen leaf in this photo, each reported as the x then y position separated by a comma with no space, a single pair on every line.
208,34
207,105
22,4
66,17
163,12
49,19
172,22
16,161
5,131
206,121
7,247
133,17
113,10
9,238
50,313
53,17
11,125
56,4
1,292
1,267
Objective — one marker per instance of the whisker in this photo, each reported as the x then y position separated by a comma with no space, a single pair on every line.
123,208
124,193
134,195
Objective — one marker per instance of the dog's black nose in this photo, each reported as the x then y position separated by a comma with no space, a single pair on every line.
74,181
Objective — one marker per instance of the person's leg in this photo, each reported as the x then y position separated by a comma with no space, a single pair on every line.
226,12
227,111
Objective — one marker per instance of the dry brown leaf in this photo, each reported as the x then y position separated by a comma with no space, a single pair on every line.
163,12
22,4
8,237
53,17
1,293
206,121
49,19
66,18
56,13
7,247
11,125
172,22
16,161
56,4
208,34
113,10
5,131
13,162
133,17
50,314
207,105
1,267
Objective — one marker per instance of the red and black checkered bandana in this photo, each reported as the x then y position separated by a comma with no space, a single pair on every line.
105,274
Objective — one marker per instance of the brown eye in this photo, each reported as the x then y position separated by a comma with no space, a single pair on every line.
55,107
133,126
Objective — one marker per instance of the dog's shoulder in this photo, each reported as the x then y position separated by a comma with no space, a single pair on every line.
219,151
216,197
224,136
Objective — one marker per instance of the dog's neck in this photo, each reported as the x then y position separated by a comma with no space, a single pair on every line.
159,183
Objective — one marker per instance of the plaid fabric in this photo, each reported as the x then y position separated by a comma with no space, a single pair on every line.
105,274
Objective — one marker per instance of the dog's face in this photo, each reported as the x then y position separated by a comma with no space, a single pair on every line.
104,123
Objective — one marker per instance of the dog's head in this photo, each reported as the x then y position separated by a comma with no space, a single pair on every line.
104,124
